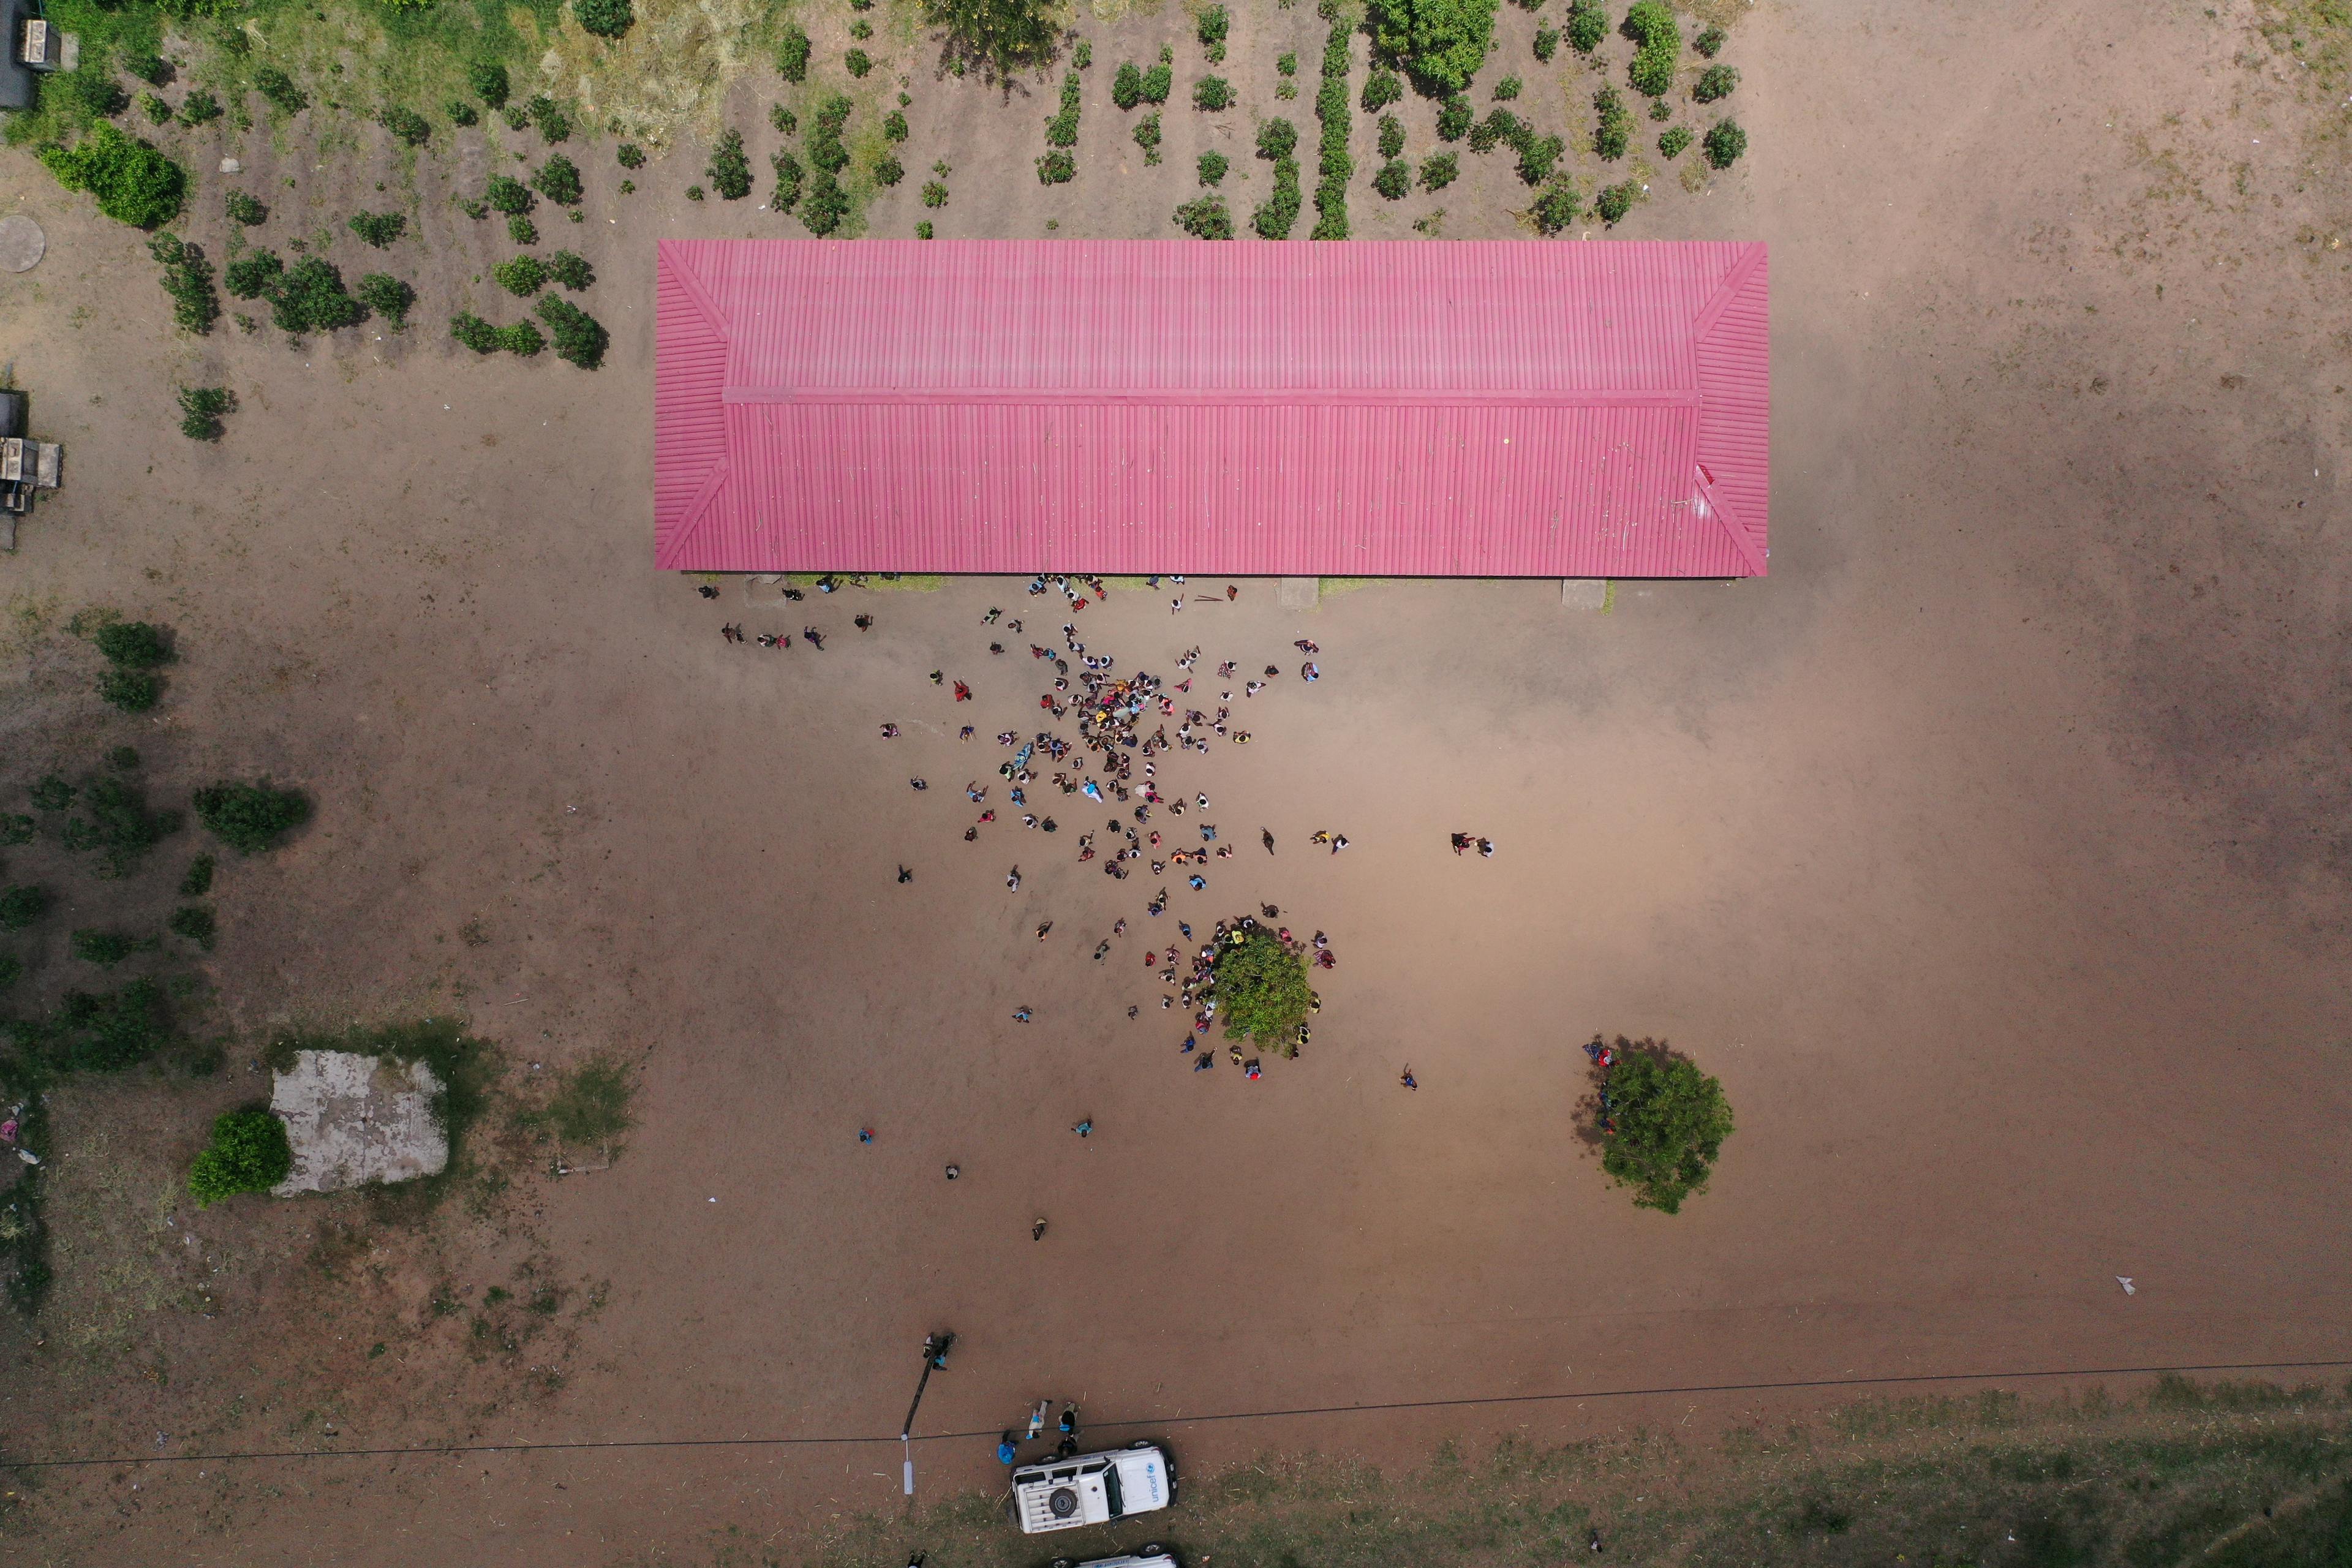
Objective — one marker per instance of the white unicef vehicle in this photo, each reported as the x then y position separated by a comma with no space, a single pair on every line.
1093,1489
1152,1556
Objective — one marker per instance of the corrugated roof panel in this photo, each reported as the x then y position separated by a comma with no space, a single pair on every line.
1493,408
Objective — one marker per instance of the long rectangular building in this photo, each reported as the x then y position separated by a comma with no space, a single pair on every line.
1364,409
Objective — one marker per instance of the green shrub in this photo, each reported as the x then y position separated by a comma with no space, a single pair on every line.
1395,179
1380,89
1439,171
379,229
1671,145
729,170
506,194
1212,93
792,53
16,828
1000,35
104,948
133,645
572,271
133,183
1392,139
605,18
1258,982
523,275
894,126
248,1154
1660,110
1614,202
245,210
888,171
253,274
521,339
188,279
1061,131
460,112
824,144
1159,82
1212,167
1670,1124
1546,44
1275,216
1499,127
1147,136
1588,23
1710,43
788,175
201,408
136,690
554,125
195,921
1538,157
630,155
1083,56
1276,139
310,297
406,124
278,88
199,108
250,817
111,1030
198,881
1507,90
152,68
858,62
1126,85
1556,209
558,179
1212,25
935,195
1651,24
474,332
1056,168
1612,128
521,230
826,206
388,297
1724,143
1715,82
21,905
1206,218
580,338
158,112
1442,42
50,793
488,81
120,826
1453,118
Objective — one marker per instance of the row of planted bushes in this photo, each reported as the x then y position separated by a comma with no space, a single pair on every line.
1336,167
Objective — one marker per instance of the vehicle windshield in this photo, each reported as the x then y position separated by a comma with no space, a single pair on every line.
1110,1492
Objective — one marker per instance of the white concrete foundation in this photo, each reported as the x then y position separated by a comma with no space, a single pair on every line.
354,1119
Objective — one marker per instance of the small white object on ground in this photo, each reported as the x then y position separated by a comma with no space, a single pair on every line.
231,167
2126,1285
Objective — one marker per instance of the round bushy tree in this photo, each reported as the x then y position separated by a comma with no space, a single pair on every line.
250,817
1665,1125
133,645
1002,36
1715,82
1442,42
249,1153
605,18
1724,143
1259,984
133,183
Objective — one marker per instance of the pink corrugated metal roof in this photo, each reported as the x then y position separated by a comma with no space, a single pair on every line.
1488,409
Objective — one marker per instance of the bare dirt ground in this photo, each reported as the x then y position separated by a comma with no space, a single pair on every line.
1992,851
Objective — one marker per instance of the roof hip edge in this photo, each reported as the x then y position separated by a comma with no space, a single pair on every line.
1751,257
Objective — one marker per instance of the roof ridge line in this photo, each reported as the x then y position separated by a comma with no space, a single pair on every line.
1729,521
691,518
697,292
1750,258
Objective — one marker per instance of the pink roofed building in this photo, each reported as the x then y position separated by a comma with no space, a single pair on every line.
1485,409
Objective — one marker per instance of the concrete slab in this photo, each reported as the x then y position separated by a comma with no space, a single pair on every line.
1298,592
22,243
1584,593
354,1119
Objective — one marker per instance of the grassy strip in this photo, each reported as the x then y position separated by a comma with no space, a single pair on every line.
2249,1475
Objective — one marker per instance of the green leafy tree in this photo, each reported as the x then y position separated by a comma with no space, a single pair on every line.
188,279
104,948
1588,23
1612,126
1002,36
246,211
558,179
888,171
1651,25
15,828
21,905
1724,143
1279,213
1546,44
1614,202
461,112
50,793
474,332
278,88
788,175
488,81
858,63
1158,81
310,297
1212,167
199,108
792,53
379,229
1392,138
580,338
1714,83
1538,157
1556,209
605,18
133,183
555,125
249,1153
1276,139
1212,93
1056,168
120,826
894,124
1442,42
521,339
729,171
506,194
1673,143
523,275
250,817
523,231
571,270
1439,171
195,922
826,206
1380,89
388,297
1061,131
108,1031
1394,180
1455,118
1207,218
1710,43
630,155
1670,1121
1259,984
201,408
253,274
407,125
136,690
